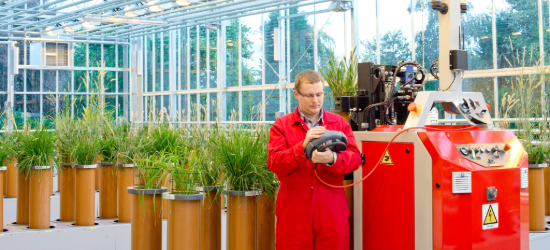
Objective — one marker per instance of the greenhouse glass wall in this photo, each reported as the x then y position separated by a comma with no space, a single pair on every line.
236,60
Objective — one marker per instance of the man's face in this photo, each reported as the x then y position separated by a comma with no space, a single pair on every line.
310,97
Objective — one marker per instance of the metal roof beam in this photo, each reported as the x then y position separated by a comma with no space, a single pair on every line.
178,10
236,16
15,4
201,13
32,9
230,11
80,13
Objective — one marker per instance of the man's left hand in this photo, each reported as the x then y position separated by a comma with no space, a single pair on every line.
326,157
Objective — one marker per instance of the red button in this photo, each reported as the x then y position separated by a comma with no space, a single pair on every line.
507,147
412,107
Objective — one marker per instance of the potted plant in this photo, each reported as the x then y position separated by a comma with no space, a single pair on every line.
533,135
65,133
146,194
200,140
35,152
184,213
127,135
84,154
341,77
108,174
239,151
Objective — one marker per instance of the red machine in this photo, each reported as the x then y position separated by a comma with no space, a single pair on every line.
434,186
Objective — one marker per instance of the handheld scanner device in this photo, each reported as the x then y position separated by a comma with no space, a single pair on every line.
333,140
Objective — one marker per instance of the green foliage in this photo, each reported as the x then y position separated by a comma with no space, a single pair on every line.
65,132
34,148
341,75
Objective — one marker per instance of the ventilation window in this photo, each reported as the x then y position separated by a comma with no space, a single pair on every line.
462,182
57,54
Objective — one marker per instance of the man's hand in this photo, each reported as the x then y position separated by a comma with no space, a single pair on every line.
326,156
313,133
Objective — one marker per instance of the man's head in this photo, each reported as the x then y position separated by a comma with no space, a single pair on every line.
309,90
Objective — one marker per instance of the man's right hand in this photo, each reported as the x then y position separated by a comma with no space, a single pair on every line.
313,133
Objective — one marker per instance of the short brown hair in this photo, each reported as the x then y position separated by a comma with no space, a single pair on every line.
307,76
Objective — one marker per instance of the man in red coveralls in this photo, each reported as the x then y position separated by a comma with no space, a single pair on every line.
310,215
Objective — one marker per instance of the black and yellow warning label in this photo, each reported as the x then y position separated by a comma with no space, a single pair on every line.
387,158
490,216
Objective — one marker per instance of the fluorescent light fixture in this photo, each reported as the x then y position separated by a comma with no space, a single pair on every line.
76,27
386,50
134,13
90,24
130,14
68,29
51,33
155,8
516,33
183,2
104,19
166,6
484,37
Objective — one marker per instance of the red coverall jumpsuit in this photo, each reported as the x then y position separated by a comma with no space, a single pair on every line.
310,215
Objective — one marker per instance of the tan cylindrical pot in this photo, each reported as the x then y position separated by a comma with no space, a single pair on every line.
2,186
67,192
266,223
11,173
146,218
108,191
166,181
4,180
184,221
211,219
85,195
23,186
547,190
39,202
241,219
51,185
124,181
536,197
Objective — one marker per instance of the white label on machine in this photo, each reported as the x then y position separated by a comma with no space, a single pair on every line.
434,116
490,216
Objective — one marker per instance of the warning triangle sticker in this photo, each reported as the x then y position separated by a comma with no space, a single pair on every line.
387,158
490,218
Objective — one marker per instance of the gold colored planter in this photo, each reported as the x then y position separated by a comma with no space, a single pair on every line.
85,195
108,191
536,197
39,201
146,218
67,192
211,220
184,221
124,181
241,219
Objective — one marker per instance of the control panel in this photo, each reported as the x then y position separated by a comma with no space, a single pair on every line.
485,154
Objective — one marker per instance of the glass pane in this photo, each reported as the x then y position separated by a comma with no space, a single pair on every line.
546,27
33,80
232,51
232,99
251,50
120,55
395,37
49,80
517,33
158,105
19,80
149,59
122,75
301,42
293,100
158,62
109,81
193,106
18,113
366,51
166,103
478,32
109,55
202,57
95,81
483,85
64,103
184,58
331,35
3,67
166,59
33,110
271,67
252,102
48,109
110,105
95,55
184,110
122,105
203,106
272,104
328,102
79,105
427,20
213,107
80,80
65,78
79,54
213,58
